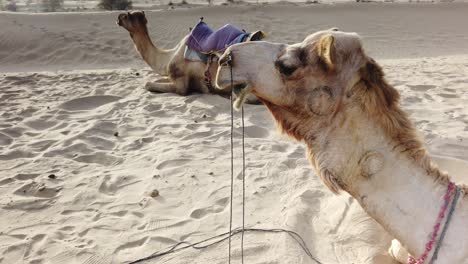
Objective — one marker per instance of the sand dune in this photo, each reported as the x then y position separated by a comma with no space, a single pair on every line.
70,41
82,152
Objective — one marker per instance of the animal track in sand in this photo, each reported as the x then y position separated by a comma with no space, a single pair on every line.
110,185
5,140
445,95
40,124
218,207
13,132
16,154
29,204
26,176
132,244
80,212
421,87
167,164
6,181
167,226
34,244
42,145
100,158
89,102
37,190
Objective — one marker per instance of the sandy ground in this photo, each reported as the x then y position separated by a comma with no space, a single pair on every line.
109,144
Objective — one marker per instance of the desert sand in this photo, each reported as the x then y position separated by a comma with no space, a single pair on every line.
83,147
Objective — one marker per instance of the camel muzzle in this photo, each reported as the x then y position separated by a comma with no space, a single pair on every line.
120,18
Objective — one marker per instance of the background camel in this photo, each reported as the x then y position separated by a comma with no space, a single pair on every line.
328,93
183,76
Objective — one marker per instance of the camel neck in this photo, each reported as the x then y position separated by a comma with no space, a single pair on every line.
404,200
155,57
390,186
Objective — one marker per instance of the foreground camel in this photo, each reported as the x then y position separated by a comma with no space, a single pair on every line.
329,94
183,76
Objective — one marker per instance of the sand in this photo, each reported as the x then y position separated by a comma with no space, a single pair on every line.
83,147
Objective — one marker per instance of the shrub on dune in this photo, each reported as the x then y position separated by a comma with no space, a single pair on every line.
115,4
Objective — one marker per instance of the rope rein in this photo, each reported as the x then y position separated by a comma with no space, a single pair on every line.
232,162
232,167
243,185
203,244
217,239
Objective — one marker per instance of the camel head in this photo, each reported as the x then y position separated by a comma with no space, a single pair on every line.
134,22
325,91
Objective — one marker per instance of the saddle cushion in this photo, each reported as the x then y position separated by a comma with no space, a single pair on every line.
203,39
193,55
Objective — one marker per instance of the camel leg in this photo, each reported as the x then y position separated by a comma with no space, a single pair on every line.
179,86
163,79
160,87
397,251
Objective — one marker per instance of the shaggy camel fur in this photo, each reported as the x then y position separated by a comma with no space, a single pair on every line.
184,76
329,94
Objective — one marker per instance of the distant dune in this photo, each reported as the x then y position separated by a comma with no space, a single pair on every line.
96,170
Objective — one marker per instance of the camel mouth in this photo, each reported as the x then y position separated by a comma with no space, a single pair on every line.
120,19
241,91
228,84
239,88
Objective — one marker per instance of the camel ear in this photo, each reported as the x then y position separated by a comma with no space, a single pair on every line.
326,47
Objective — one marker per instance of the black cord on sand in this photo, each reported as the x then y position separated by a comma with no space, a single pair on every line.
203,244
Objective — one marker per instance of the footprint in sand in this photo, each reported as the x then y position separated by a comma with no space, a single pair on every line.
100,158
172,163
89,102
218,207
40,124
26,176
110,185
5,140
446,95
421,88
16,154
37,190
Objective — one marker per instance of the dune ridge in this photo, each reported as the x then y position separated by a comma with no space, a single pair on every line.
96,170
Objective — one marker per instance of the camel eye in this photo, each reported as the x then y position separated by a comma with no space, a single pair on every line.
286,70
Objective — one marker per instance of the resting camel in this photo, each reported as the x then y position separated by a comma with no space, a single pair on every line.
329,94
183,76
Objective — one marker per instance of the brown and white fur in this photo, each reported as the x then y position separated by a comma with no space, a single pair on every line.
327,93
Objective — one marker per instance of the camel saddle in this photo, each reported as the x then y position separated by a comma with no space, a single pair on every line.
203,39
206,45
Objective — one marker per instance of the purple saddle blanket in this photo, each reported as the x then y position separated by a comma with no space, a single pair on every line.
203,39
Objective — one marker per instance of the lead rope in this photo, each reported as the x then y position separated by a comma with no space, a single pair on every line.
217,239
243,186
232,160
232,169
